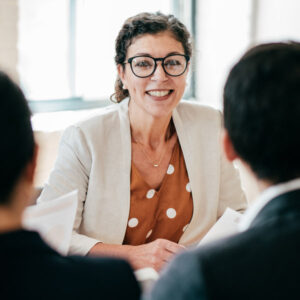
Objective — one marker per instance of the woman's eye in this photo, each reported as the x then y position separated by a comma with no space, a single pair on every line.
173,62
143,64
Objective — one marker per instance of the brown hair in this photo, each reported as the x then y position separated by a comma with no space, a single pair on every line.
141,24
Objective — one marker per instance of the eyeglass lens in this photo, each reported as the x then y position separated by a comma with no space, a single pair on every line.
144,66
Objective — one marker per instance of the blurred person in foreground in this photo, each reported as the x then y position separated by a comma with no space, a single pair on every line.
262,126
30,269
149,169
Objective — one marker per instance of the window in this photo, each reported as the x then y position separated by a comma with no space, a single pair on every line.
66,49
44,62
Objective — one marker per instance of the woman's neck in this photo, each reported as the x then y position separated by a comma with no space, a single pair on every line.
148,130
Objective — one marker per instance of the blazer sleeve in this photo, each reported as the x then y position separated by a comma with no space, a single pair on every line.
71,172
231,193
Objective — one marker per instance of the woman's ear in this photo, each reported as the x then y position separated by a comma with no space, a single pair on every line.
228,148
121,73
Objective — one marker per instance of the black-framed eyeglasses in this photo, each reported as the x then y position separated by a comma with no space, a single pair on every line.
145,66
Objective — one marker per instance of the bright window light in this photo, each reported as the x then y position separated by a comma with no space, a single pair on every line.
60,58
43,48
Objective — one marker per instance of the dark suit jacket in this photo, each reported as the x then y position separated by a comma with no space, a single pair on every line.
260,263
29,269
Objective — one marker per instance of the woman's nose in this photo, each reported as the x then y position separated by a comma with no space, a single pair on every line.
159,73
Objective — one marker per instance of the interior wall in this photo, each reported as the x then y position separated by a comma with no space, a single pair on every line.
223,33
277,20
9,37
226,29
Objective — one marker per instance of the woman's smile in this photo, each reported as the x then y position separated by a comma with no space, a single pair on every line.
159,95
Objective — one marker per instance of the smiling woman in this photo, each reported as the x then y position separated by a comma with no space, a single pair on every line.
149,170
156,92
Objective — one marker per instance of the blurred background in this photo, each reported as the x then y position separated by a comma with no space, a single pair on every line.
61,52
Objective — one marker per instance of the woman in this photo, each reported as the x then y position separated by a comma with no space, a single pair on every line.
149,171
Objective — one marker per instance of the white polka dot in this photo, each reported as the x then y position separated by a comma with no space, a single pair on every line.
171,213
170,169
185,227
150,193
149,233
188,187
133,222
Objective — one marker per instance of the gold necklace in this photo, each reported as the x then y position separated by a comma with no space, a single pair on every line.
170,131
156,165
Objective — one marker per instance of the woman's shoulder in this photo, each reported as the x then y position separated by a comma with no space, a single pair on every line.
98,116
105,116
195,105
198,111
99,122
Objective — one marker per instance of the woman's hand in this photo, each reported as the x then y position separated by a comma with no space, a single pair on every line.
153,255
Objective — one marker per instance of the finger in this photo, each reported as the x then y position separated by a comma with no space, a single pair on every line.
167,256
174,248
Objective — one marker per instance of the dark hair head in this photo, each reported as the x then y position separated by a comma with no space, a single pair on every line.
262,110
17,146
146,23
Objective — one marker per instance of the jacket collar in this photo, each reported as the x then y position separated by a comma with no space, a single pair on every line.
285,206
265,197
25,241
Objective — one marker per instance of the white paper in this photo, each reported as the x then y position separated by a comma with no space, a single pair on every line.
225,226
146,278
53,220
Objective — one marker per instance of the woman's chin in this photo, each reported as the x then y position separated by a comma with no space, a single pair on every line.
160,112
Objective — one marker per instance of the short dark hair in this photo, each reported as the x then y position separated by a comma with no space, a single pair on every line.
147,23
17,146
262,110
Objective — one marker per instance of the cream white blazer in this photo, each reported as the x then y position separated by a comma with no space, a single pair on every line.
95,158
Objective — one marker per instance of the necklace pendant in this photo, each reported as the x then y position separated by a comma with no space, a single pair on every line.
155,165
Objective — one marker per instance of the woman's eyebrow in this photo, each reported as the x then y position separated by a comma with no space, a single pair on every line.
174,53
142,54
147,54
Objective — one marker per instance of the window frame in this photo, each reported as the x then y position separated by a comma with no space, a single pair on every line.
179,8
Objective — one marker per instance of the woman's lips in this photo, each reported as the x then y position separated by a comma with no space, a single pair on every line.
159,94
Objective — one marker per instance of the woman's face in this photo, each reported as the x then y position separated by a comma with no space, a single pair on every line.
159,93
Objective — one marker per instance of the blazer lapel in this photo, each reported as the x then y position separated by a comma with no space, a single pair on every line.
123,155
188,146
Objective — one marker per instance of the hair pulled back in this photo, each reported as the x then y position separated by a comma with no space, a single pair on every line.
146,23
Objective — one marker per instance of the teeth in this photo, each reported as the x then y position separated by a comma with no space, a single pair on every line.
158,93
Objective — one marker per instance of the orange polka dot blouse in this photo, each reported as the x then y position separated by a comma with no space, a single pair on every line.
163,213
